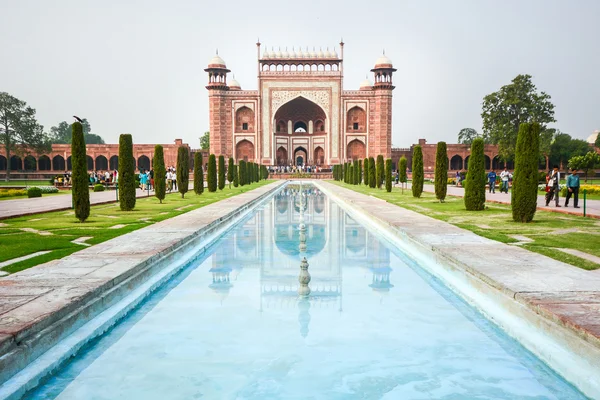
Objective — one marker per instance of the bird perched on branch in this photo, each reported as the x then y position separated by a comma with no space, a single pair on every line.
77,118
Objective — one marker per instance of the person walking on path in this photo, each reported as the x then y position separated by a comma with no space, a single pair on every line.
492,180
572,188
505,175
554,184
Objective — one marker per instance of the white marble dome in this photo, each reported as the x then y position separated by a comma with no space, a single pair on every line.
383,60
216,60
233,84
366,84
592,138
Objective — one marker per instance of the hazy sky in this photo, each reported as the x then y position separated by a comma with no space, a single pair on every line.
137,66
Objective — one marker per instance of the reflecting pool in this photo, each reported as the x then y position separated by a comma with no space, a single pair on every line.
375,326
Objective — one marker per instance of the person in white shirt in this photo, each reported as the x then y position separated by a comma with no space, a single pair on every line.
505,176
554,185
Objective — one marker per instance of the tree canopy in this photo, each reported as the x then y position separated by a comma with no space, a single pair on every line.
205,141
61,134
19,127
597,142
585,163
564,147
467,135
505,110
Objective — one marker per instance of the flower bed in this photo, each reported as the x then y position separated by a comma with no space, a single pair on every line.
45,189
12,193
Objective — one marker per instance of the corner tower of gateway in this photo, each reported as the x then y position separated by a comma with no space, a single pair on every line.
300,113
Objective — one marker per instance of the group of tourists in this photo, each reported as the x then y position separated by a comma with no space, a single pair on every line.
553,187
292,169
146,179
103,177
505,178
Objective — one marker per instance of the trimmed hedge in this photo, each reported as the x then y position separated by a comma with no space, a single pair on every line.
388,175
126,173
476,177
379,171
221,175
242,172
34,192
236,176
441,171
372,179
212,173
198,173
230,168
417,172
160,173
98,187
79,176
183,170
356,170
524,191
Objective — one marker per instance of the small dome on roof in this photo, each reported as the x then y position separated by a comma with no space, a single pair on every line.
266,54
233,84
320,54
592,138
278,54
383,60
216,60
366,84
334,54
285,54
313,54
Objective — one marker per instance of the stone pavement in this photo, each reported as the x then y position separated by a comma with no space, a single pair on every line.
592,210
19,207
42,305
567,296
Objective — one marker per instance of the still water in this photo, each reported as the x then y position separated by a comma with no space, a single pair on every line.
231,326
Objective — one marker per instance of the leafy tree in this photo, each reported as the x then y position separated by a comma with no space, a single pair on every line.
19,128
525,187
366,171
211,175
198,173
160,173
379,171
372,178
61,134
564,147
585,163
183,170
467,135
356,170
597,141
79,178
505,110
441,171
388,175
126,173
418,175
402,177
236,176
230,172
221,181
476,178
205,141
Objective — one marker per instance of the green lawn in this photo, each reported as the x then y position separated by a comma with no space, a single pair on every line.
45,182
64,227
548,230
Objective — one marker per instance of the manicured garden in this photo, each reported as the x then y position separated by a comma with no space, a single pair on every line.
545,234
55,231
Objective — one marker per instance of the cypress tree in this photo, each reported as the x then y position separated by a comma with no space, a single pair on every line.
256,174
160,173
475,180
388,174
379,170
366,171
198,173
183,170
221,172
236,176
402,173
249,175
126,173
441,171
356,170
230,168
360,174
211,175
372,180
524,191
242,172
417,172
79,176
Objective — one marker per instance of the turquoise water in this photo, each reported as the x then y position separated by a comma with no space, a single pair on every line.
231,326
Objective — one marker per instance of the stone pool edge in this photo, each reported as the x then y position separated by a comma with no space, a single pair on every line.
63,295
515,306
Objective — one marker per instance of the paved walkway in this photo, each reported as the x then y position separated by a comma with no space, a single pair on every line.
566,297
19,207
593,206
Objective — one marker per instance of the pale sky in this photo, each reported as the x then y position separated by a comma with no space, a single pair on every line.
137,66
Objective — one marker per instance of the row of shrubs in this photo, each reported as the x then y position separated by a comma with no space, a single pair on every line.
12,193
590,189
370,172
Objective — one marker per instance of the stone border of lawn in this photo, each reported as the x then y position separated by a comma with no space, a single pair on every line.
54,301
551,308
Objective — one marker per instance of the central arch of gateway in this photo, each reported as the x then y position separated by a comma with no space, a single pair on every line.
300,113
